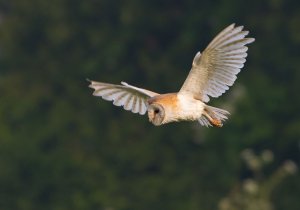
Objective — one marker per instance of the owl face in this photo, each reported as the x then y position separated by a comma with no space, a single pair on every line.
156,114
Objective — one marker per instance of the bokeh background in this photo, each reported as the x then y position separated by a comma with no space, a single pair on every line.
61,148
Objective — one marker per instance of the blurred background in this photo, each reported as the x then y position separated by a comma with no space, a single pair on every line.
61,148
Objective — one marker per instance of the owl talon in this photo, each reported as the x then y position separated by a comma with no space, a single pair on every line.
217,123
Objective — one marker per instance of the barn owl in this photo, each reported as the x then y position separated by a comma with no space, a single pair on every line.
212,73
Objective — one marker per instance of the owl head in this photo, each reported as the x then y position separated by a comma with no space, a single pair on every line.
156,114
161,108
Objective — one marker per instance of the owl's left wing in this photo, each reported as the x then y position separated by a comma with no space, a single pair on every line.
131,98
215,70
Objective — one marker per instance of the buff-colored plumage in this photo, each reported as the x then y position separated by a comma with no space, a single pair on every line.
212,73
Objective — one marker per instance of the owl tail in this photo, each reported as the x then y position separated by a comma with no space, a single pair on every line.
213,116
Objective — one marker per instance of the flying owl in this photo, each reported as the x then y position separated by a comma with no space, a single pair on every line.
212,73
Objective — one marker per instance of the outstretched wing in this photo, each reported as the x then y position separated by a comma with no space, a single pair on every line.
130,97
215,70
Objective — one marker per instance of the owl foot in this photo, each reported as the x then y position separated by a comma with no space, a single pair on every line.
215,116
216,122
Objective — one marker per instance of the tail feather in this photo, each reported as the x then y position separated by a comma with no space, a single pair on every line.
213,116
204,121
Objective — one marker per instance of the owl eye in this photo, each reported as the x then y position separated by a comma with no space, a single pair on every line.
156,111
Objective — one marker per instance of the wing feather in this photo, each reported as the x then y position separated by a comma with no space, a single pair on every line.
134,105
216,68
143,110
120,100
128,104
131,98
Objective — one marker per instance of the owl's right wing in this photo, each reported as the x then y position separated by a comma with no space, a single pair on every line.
131,98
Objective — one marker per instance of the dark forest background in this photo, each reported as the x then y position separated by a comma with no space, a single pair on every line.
61,148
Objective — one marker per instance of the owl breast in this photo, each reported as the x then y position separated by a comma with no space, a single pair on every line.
178,107
189,107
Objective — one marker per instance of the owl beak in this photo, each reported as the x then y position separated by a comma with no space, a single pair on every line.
150,115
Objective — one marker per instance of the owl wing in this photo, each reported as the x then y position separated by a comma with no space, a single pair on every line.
215,70
130,97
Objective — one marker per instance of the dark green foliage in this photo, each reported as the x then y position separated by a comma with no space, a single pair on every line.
61,148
